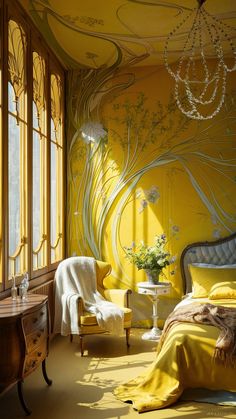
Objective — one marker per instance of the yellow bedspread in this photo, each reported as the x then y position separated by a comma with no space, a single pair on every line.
185,361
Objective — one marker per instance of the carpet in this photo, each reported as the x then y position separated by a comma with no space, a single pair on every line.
224,398
83,386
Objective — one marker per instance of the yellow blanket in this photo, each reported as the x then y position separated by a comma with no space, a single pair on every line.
186,360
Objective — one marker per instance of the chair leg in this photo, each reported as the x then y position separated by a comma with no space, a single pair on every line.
127,331
81,345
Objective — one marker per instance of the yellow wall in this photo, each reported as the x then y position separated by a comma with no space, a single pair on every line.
156,172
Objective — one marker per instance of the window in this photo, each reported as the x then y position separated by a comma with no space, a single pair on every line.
32,154
56,169
39,162
17,150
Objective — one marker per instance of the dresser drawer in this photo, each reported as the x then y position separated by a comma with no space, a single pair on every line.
36,338
24,341
35,321
34,358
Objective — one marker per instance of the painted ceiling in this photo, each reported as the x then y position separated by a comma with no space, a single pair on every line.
104,33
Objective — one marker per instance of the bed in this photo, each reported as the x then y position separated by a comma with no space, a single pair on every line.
186,354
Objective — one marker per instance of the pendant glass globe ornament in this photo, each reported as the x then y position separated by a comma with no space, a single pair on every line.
201,69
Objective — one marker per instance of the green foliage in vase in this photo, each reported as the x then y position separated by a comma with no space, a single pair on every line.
153,258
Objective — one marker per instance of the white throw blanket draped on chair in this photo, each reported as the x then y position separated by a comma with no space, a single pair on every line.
76,277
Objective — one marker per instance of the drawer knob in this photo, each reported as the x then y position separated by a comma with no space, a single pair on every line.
39,353
35,340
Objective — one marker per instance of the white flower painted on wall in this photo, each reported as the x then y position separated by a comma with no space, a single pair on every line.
93,132
147,196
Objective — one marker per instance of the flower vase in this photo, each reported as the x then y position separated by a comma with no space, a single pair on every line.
152,276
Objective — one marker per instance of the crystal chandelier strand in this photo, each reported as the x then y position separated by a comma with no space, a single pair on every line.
185,49
221,28
203,85
167,44
191,61
194,113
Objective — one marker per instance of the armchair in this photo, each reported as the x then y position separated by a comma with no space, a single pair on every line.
86,321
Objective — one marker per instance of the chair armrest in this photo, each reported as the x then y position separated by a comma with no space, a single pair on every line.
118,296
80,306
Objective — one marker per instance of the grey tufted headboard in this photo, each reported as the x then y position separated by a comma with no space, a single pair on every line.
219,252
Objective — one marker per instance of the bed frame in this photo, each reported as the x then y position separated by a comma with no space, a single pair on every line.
218,252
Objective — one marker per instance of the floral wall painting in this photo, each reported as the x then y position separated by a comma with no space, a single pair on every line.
150,171
137,166
149,196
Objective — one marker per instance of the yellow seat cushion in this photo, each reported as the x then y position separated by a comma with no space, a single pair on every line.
88,319
203,278
226,289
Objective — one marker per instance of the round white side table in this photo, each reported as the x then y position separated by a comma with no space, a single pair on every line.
153,291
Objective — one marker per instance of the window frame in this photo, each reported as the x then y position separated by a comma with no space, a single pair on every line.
12,10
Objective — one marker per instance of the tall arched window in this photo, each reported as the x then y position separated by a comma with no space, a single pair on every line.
17,150
39,160
56,184
31,152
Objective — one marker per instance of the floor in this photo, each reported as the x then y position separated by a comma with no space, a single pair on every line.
82,387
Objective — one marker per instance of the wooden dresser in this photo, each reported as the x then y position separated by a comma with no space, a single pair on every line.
24,340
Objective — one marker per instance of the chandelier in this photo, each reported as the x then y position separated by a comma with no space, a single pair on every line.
201,69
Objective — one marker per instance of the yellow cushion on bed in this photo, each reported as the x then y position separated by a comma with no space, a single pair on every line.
226,289
203,278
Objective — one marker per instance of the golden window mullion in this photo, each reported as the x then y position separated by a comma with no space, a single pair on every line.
1,145
43,197
58,202
28,180
46,200
48,160
23,187
60,191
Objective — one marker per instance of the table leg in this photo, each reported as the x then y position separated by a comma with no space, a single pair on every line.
155,332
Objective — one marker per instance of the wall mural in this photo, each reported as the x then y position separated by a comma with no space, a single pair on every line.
150,170
136,166
93,34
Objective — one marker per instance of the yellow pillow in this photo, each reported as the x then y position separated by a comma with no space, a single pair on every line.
223,290
203,278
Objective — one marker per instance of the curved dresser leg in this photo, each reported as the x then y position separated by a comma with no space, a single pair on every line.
48,381
21,398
